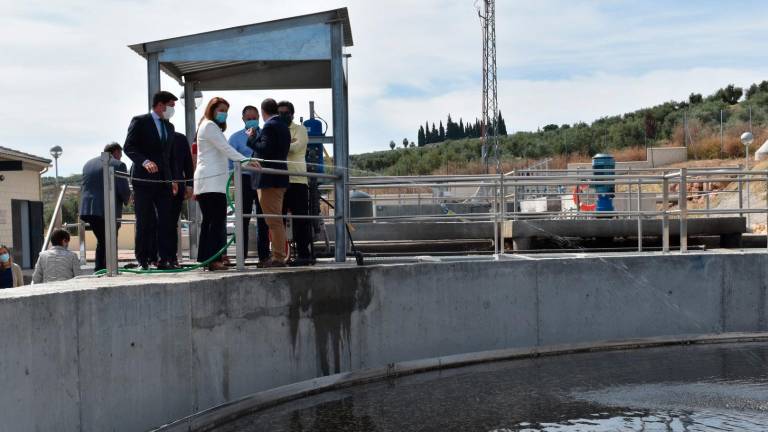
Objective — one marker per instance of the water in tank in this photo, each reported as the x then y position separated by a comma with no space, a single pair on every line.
721,387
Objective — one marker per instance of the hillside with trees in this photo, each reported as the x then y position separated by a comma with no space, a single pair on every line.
694,123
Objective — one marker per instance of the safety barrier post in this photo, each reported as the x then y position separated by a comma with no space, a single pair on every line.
239,231
81,241
495,220
741,191
110,227
664,213
514,194
683,206
639,215
707,192
503,211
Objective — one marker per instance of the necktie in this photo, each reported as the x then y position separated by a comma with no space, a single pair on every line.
162,131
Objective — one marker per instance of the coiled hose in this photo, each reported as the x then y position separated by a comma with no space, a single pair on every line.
205,263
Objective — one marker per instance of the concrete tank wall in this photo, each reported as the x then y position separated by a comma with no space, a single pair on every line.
132,353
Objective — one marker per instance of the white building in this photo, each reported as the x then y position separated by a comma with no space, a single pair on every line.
21,205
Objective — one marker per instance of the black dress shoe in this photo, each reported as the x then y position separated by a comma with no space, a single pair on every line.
164,265
301,262
144,266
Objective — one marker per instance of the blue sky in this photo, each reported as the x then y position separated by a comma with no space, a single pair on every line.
68,78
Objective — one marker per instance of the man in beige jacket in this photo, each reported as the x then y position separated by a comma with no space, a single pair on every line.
296,198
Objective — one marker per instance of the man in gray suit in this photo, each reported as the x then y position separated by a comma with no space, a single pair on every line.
92,197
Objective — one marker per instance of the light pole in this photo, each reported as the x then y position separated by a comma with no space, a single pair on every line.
56,152
747,138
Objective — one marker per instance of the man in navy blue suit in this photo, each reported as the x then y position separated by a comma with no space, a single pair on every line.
272,145
149,145
184,170
92,197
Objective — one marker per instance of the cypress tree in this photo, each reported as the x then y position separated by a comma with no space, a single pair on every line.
435,135
421,139
442,131
502,125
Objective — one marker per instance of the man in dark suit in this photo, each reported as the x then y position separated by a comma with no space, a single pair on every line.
183,170
149,145
272,144
92,197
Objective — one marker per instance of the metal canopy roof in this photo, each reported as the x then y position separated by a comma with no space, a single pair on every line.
291,53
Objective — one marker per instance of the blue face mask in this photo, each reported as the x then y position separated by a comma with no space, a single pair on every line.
252,124
4,258
221,117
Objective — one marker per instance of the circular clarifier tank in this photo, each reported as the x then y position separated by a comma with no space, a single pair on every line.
711,387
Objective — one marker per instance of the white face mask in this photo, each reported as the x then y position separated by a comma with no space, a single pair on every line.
168,113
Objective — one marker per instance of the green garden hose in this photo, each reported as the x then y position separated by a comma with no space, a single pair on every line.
216,256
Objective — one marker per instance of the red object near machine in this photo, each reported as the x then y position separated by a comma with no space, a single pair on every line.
578,191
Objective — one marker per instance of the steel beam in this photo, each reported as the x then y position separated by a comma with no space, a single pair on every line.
110,235
153,77
239,226
191,129
340,144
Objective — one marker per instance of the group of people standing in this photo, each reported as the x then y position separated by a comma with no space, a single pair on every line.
164,175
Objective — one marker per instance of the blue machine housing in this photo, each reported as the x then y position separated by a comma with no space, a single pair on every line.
314,127
604,164
314,158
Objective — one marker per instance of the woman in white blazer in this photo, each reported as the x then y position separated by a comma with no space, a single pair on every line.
211,174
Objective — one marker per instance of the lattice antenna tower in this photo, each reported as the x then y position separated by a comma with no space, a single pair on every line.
489,135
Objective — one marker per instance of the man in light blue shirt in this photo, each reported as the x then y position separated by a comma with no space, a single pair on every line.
239,141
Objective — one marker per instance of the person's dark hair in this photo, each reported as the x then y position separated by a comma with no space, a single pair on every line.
59,236
288,105
111,147
2,246
269,106
210,111
250,107
163,97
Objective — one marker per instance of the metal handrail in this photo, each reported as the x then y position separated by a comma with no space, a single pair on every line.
499,189
55,217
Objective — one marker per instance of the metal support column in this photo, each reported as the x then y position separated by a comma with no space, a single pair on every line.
683,206
191,129
514,194
81,242
110,227
495,210
639,215
153,76
503,211
665,214
741,191
239,228
345,116
340,143
707,192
